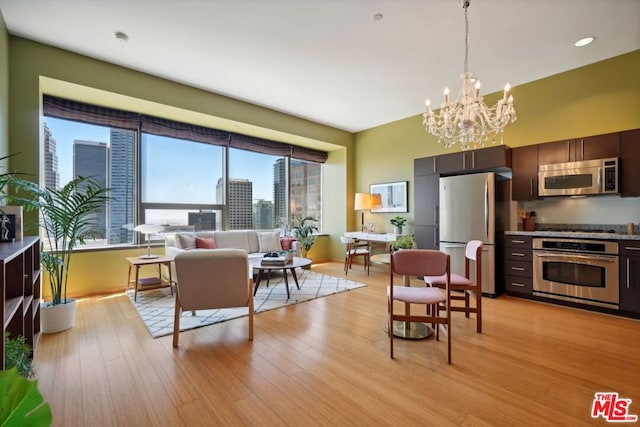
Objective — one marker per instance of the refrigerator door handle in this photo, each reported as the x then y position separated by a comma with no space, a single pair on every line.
486,209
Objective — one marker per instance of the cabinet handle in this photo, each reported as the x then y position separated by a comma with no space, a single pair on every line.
517,241
531,187
582,149
520,285
436,215
627,273
631,248
517,254
518,268
568,151
473,160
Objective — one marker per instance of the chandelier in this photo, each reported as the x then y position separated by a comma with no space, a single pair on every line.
469,120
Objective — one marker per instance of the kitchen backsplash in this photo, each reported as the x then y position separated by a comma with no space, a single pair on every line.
588,210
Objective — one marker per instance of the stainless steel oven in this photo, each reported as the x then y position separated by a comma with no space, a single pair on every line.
583,271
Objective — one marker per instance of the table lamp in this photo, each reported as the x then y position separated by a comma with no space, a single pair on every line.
362,202
148,229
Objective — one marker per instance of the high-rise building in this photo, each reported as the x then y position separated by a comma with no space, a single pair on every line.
263,215
91,159
122,186
51,173
202,220
280,190
305,189
239,202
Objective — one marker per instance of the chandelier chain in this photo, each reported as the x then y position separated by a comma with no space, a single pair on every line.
466,36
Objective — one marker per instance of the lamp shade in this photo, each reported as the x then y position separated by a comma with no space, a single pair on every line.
148,228
363,201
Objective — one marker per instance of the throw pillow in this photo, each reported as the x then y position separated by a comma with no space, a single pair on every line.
269,242
205,243
185,241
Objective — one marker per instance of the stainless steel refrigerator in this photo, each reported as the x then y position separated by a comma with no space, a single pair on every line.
474,207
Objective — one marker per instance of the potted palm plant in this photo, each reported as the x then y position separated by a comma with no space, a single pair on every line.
67,218
303,230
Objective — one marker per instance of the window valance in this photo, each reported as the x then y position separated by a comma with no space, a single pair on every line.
94,114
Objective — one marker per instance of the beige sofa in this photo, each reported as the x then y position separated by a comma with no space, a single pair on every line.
255,242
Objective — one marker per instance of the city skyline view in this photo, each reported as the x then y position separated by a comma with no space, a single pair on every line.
181,182
245,165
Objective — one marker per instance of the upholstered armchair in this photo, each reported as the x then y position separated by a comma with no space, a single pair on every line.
212,278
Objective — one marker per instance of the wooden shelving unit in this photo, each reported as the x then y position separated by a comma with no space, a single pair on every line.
21,292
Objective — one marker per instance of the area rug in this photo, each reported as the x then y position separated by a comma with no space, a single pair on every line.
156,307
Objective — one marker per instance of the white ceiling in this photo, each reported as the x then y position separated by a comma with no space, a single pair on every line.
328,60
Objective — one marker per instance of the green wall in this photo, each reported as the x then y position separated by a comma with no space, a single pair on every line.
4,94
599,98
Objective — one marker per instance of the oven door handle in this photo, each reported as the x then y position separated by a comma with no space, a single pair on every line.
569,257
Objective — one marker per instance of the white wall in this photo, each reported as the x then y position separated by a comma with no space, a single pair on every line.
587,210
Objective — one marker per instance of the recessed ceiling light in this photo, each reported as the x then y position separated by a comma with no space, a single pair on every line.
121,37
585,41
378,17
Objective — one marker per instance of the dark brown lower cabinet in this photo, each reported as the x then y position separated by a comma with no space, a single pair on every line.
630,276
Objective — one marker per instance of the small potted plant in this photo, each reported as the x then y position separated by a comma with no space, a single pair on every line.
404,242
398,222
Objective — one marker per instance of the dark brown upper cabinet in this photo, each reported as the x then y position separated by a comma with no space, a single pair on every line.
573,150
524,166
630,163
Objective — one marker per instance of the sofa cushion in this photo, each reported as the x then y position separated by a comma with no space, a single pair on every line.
205,243
237,239
185,241
268,241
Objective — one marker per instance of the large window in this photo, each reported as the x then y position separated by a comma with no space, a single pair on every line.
176,174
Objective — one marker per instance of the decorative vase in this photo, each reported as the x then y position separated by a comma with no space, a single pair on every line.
397,230
57,318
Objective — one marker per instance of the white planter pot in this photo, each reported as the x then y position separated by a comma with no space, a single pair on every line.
397,230
57,318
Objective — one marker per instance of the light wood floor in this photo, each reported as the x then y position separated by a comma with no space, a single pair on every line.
326,362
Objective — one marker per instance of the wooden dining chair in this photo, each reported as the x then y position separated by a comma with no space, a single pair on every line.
417,263
468,285
356,248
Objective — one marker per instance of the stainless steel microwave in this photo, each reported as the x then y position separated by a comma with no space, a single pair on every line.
585,177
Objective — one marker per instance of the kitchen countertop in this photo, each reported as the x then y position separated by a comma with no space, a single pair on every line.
575,235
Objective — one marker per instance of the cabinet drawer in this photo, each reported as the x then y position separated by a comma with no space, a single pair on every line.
629,248
519,254
519,268
523,285
518,241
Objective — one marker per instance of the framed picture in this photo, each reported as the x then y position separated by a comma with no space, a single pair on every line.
393,196
7,227
13,223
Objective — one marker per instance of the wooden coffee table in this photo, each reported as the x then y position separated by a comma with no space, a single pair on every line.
291,266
